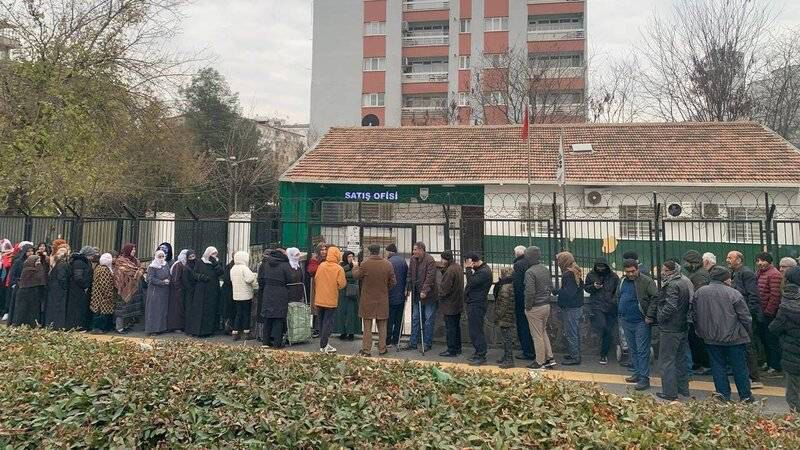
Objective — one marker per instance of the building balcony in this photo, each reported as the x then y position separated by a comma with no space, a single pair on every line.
555,35
425,40
8,39
425,5
539,2
425,77
558,72
566,109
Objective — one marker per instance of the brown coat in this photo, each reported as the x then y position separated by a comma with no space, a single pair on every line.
377,277
451,290
422,278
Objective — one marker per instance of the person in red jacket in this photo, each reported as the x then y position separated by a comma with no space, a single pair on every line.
5,270
769,289
311,268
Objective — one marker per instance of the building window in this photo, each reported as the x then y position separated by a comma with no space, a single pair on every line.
347,212
463,99
466,24
744,224
372,99
374,28
496,24
555,23
635,221
540,216
463,62
556,60
496,98
495,60
374,64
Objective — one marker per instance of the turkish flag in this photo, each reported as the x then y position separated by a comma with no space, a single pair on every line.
525,125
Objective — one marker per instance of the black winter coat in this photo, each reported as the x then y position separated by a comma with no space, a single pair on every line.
521,265
479,281
274,275
203,310
602,299
80,283
786,326
570,294
55,315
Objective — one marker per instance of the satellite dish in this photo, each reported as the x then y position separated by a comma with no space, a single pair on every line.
675,210
370,120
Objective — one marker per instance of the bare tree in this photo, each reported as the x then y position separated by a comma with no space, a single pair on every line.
615,92
551,84
703,58
777,93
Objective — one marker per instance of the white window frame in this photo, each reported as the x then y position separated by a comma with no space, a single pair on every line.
373,100
495,24
744,232
640,217
374,28
464,62
347,212
375,64
465,26
463,99
497,98
540,219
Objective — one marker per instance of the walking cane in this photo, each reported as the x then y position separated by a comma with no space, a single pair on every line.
421,326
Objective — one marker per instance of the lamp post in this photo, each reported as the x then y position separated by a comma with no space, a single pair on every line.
235,164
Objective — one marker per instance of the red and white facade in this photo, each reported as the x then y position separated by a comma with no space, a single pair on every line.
403,62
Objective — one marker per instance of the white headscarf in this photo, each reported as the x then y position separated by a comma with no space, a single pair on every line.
159,260
207,254
107,260
293,254
181,260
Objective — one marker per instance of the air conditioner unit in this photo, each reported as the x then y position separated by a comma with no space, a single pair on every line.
596,198
710,210
678,210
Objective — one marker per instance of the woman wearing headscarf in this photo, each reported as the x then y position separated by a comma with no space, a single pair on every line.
5,269
243,283
103,292
177,273
80,284
55,313
155,319
31,291
273,278
166,247
202,316
127,279
348,324
25,250
296,282
570,300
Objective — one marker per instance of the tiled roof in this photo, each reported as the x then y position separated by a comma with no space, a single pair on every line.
733,153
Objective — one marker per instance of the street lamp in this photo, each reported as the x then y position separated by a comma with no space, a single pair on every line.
235,164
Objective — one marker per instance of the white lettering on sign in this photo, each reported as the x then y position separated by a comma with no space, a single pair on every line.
371,196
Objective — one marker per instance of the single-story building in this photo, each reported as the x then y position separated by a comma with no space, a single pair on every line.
487,189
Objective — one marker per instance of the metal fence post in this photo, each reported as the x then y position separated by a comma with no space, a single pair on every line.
76,231
655,248
195,227
27,229
768,238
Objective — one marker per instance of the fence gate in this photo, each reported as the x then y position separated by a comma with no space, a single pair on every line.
589,239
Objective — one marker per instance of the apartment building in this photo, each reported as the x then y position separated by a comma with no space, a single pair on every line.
8,40
433,62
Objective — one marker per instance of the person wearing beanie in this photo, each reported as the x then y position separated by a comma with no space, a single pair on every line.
538,289
451,302
786,326
722,319
672,311
377,279
521,265
397,296
697,273
601,284
504,315
476,292
769,290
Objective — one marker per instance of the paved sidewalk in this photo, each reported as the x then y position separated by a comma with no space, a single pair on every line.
611,377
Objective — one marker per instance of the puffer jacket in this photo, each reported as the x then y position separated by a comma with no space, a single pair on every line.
672,304
504,303
243,280
787,323
769,290
329,280
601,299
538,283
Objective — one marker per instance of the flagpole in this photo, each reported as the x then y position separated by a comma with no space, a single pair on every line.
563,180
527,120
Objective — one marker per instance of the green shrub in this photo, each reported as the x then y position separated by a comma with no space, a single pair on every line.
60,390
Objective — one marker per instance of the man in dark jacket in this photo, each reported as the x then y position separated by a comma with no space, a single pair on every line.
636,304
422,280
601,284
521,266
538,289
787,327
479,281
672,310
697,273
630,254
722,319
451,302
769,290
397,295
744,281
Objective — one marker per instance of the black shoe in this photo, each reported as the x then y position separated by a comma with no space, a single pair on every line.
663,396
603,360
236,336
447,354
686,394
642,385
342,337
568,357
626,364
427,349
479,361
571,362
524,357
406,348
632,379
535,366
550,363
507,364
315,334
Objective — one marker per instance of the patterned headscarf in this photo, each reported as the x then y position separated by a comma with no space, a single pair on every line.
293,254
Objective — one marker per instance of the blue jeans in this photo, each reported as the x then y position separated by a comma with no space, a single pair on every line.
429,314
572,330
637,334
735,356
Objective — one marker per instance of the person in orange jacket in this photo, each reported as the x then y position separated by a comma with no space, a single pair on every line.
328,281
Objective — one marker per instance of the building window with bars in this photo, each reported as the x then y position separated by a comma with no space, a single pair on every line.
347,212
540,216
635,221
744,224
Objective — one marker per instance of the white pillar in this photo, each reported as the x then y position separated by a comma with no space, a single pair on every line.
159,228
238,233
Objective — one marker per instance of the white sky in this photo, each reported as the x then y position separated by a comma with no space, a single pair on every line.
263,47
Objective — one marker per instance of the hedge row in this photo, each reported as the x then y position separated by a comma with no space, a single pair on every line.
61,390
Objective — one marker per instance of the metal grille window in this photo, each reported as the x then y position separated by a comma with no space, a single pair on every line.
743,231
635,221
556,60
341,212
551,23
541,213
